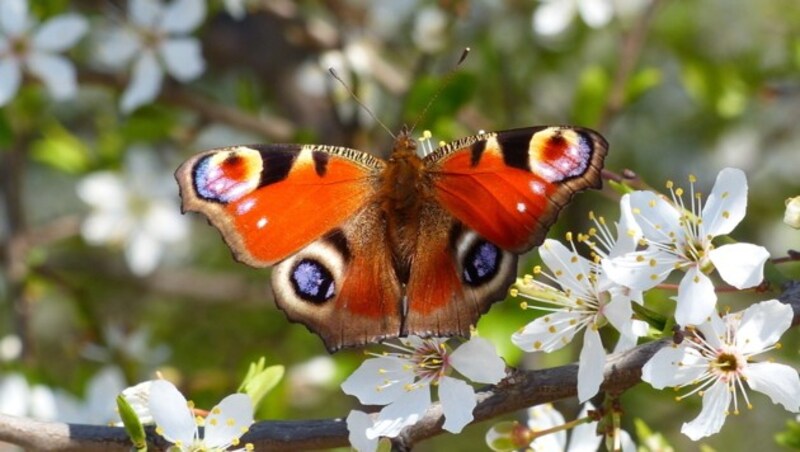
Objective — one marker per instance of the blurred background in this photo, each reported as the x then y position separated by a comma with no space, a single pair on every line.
104,281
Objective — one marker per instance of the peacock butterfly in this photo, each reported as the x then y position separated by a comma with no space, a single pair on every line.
366,249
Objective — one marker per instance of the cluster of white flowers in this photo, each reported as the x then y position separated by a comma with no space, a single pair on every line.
657,235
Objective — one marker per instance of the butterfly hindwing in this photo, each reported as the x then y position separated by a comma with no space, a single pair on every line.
269,201
510,186
456,276
343,286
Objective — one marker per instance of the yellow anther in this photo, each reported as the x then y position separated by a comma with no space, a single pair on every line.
679,191
692,178
670,184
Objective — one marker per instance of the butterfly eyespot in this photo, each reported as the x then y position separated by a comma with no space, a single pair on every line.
481,263
227,176
556,154
312,282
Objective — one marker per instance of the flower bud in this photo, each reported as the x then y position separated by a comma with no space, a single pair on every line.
792,214
508,436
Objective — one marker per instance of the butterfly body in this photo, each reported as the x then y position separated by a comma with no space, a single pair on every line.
365,249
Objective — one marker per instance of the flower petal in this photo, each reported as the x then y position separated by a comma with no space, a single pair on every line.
357,424
628,231
715,406
778,381
11,75
640,270
183,58
543,417
171,413
144,13
553,17
117,47
572,270
60,33
458,401
762,324
727,203
14,18
659,220
405,411
142,252
596,13
477,360
714,330
56,72
619,313
584,437
590,365
547,333
740,264
370,383
228,421
696,298
14,395
673,365
145,83
183,16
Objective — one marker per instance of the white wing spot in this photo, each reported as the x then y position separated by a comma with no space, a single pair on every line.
245,206
261,222
537,187
521,207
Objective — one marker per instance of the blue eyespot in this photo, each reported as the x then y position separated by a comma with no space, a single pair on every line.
481,263
312,281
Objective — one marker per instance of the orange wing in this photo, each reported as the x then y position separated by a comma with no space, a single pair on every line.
269,201
510,186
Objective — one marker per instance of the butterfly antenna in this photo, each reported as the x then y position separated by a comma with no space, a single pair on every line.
353,95
447,79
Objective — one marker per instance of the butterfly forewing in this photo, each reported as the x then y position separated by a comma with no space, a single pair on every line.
269,201
510,186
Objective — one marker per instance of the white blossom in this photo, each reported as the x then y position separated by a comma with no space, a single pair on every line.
585,299
98,406
176,422
156,39
137,209
402,381
680,236
717,358
24,46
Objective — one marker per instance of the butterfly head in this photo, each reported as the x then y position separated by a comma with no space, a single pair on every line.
404,143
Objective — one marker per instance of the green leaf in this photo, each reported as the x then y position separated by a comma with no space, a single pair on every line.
132,424
61,149
259,381
789,437
641,82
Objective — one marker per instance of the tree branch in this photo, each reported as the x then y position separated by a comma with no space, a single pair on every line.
520,389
